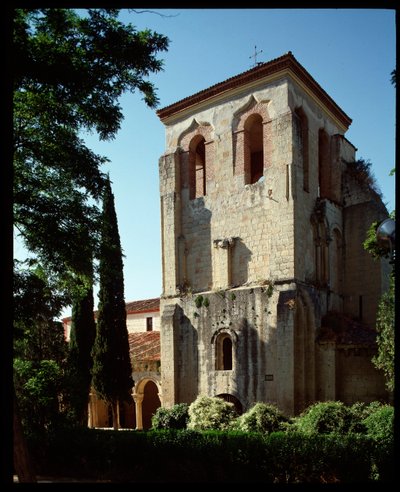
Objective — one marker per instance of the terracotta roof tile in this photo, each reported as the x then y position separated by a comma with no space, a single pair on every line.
144,346
144,305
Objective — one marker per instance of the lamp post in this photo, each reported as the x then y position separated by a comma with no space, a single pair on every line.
386,236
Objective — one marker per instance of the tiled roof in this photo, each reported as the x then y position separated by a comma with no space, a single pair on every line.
144,346
280,64
345,331
145,305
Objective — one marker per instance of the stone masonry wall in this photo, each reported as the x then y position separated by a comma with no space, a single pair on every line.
258,216
260,361
246,248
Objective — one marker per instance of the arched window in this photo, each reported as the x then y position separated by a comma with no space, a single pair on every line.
301,139
197,166
227,354
223,356
324,167
254,149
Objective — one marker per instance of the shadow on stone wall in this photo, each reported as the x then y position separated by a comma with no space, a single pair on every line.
240,263
196,229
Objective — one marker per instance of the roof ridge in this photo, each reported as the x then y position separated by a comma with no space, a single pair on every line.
286,61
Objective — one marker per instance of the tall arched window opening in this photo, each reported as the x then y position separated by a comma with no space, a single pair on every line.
227,354
197,167
301,135
223,356
254,149
324,168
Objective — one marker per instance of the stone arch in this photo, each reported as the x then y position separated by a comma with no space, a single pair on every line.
304,352
242,137
232,399
147,399
202,128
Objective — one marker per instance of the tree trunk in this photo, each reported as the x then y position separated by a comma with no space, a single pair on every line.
118,420
115,414
22,460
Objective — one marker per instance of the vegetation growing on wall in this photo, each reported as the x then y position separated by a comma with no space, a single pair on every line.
361,171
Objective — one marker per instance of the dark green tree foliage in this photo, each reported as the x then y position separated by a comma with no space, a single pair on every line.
385,323
37,303
385,326
40,351
112,370
69,72
373,246
82,336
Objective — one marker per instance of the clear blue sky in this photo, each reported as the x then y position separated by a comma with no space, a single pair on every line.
349,52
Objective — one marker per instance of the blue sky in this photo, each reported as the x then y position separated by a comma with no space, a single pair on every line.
349,52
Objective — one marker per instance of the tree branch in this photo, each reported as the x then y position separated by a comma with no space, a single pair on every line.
151,12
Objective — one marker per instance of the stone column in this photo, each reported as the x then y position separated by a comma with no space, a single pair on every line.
138,398
90,411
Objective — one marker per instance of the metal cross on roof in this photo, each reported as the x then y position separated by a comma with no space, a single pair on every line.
255,55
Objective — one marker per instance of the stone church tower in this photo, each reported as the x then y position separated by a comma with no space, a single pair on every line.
268,294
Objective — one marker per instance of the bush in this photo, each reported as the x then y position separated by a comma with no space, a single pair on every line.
359,412
380,424
175,417
325,418
211,413
171,455
262,417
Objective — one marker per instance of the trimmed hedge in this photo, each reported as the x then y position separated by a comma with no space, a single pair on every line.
214,456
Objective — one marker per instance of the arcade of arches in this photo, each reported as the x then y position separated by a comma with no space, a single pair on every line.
135,415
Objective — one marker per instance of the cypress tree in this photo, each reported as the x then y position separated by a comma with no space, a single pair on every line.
112,370
82,336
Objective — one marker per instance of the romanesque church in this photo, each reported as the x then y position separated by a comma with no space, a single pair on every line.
268,294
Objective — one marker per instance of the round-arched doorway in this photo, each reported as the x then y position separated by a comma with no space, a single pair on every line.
150,403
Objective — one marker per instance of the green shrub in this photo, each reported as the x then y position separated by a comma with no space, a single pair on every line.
359,412
211,413
380,424
262,417
175,417
325,418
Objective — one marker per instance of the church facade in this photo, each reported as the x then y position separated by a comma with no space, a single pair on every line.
268,294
